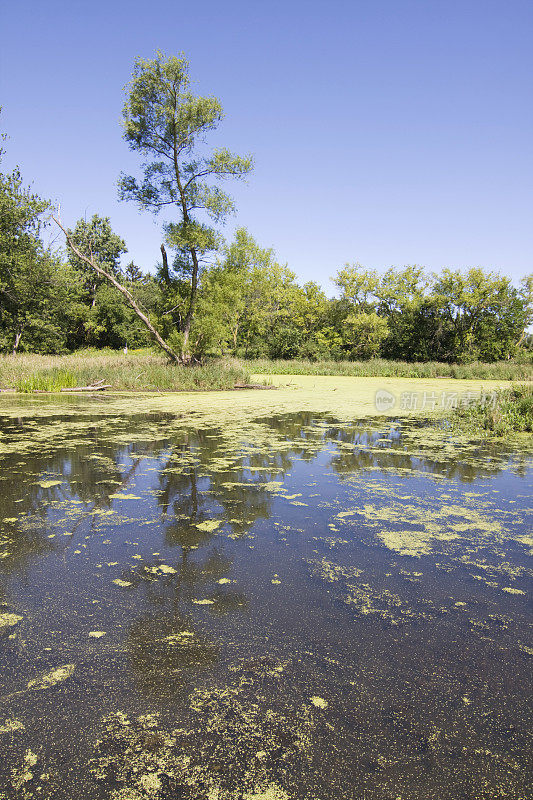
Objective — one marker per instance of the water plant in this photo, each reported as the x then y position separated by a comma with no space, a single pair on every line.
48,380
509,411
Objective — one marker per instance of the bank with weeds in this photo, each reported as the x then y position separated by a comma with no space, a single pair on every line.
509,370
504,412
133,371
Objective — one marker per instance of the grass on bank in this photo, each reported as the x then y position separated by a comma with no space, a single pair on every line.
144,370
379,367
506,412
136,371
49,380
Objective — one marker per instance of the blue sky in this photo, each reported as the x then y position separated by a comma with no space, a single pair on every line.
387,132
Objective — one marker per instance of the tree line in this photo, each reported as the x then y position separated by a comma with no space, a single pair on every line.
207,296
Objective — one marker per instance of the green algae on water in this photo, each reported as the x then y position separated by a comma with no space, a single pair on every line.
8,620
52,678
387,595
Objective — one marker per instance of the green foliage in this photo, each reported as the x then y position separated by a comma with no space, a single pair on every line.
323,344
49,306
251,304
401,302
33,282
167,124
455,316
483,315
96,239
51,380
364,333
509,411
99,316
357,286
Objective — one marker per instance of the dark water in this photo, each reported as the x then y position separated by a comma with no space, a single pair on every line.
304,609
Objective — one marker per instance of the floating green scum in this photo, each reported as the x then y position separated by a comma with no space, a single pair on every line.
275,595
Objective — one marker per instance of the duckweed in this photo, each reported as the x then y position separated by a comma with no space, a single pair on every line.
276,549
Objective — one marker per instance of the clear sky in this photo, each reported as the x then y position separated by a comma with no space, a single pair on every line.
387,132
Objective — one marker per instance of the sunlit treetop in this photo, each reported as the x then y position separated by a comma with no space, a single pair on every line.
168,124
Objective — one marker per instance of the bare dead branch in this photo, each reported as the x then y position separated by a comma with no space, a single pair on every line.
111,278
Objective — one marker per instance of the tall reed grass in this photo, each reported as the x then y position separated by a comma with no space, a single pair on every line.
49,380
508,411
135,371
144,370
378,367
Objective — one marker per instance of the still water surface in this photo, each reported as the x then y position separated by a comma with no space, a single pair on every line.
261,607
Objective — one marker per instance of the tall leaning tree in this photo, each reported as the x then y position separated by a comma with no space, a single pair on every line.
167,124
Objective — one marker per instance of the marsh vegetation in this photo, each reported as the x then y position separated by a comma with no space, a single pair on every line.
145,370
509,411
134,371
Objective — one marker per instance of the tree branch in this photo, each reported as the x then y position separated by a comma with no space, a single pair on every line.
92,263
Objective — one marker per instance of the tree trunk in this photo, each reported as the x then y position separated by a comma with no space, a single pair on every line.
195,267
18,337
90,261
192,302
164,272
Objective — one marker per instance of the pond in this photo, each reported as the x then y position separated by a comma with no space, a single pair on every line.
276,595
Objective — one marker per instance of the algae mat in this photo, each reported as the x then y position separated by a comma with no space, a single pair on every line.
345,397
262,596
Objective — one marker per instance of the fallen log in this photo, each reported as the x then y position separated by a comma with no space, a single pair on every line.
97,387
252,386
